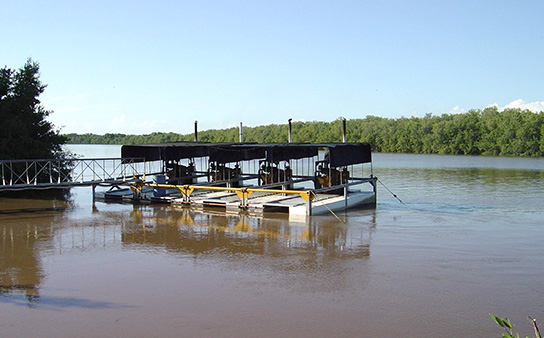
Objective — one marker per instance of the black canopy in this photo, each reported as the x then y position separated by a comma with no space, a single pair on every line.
236,153
168,151
290,151
340,154
343,154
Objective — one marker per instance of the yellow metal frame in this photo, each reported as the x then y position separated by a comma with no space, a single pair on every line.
244,192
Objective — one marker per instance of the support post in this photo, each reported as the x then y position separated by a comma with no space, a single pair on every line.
196,131
241,134
343,130
345,197
289,122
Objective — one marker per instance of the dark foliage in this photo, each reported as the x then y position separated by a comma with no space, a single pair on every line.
26,134
511,132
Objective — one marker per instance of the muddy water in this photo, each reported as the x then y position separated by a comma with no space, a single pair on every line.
466,241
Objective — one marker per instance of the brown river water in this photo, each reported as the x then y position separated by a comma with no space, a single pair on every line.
466,241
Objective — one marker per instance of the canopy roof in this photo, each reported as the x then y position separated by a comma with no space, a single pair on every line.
340,154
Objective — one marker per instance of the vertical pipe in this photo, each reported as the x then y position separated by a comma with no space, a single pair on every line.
196,131
290,139
241,134
343,130
345,197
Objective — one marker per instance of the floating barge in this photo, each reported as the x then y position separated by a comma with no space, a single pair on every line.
295,178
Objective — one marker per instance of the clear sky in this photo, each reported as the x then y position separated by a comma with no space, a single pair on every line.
145,66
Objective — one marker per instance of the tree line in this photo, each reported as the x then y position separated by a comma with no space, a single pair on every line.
511,132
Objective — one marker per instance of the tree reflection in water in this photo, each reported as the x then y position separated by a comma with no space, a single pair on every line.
25,224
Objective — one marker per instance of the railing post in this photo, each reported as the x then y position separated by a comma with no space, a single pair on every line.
123,170
345,197
29,172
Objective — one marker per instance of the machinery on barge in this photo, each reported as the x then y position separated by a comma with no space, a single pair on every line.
297,178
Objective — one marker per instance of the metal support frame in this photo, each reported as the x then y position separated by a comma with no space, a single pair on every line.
64,173
243,193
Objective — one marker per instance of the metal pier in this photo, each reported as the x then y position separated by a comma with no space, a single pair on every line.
51,173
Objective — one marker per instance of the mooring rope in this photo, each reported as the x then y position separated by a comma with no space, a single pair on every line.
394,195
332,212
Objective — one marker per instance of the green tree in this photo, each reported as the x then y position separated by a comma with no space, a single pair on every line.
26,133
512,132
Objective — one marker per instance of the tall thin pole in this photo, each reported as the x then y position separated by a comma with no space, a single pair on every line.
290,139
196,131
343,130
241,134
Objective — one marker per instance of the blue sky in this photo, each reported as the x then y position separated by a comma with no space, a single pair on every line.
142,66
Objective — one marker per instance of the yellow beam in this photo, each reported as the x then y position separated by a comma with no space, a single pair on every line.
187,189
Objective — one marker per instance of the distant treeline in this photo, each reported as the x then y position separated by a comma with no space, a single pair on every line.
511,132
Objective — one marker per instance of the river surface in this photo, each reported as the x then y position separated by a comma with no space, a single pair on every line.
467,240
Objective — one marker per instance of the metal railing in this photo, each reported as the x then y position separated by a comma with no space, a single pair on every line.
48,173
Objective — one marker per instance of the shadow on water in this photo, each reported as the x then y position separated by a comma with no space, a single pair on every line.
30,207
38,194
31,298
27,211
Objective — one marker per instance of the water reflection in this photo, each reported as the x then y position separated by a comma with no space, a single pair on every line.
306,245
315,254
20,268
24,224
192,232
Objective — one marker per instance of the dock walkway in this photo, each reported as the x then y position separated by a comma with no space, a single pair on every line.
295,178
18,175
